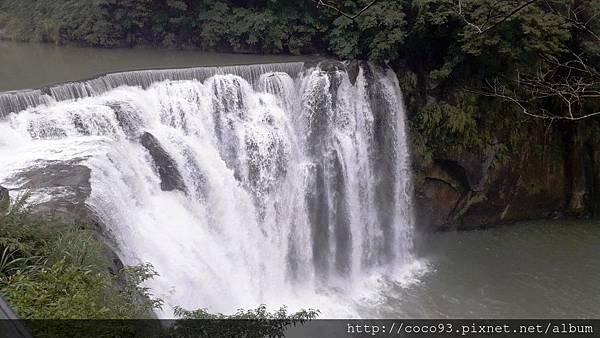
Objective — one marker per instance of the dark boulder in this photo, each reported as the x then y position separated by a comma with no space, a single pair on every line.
170,178
4,200
354,68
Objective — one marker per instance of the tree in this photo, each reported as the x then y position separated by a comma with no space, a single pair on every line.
572,86
565,83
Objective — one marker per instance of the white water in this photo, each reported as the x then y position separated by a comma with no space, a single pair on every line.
297,187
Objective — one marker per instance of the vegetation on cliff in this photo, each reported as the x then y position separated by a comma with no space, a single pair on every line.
54,270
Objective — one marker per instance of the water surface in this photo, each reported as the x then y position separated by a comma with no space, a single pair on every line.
534,270
33,65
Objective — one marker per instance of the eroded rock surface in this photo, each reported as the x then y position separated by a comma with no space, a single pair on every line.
476,190
170,177
58,189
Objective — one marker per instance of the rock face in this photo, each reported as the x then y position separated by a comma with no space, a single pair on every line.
476,190
65,187
167,169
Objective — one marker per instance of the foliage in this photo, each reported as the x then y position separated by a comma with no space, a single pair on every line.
462,54
276,27
54,270
56,21
375,35
257,322
260,313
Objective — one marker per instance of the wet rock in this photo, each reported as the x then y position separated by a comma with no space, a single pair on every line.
353,70
443,183
65,187
57,190
4,200
474,167
466,192
167,168
46,90
436,200
332,66
128,116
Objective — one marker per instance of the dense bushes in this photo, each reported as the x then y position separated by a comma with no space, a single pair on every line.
240,26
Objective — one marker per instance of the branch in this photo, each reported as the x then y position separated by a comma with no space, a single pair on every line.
545,116
337,9
465,18
584,26
481,29
513,12
572,92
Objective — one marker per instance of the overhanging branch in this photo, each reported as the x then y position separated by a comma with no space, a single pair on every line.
337,9
481,29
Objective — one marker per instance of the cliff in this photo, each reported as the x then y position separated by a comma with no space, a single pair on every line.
548,176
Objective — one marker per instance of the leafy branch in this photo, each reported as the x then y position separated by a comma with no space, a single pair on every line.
492,20
341,12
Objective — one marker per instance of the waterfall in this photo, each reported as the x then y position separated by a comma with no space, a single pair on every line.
276,184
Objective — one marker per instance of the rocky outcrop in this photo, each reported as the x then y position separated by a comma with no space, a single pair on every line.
58,190
479,190
165,165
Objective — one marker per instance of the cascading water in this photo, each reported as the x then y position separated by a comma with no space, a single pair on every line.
274,184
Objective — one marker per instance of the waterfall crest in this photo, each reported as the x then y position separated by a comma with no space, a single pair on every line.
16,101
276,184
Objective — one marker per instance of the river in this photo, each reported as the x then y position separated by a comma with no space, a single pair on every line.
541,269
33,65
